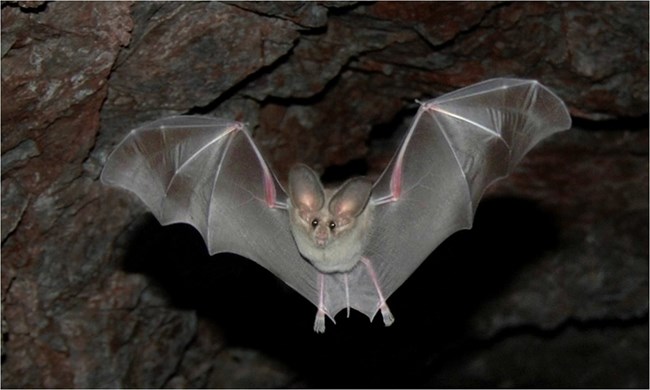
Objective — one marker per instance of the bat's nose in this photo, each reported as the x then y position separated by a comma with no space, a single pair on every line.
321,242
321,236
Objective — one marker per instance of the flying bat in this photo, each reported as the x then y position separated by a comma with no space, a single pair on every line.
353,245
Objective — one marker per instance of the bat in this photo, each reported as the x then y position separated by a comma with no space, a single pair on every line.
351,246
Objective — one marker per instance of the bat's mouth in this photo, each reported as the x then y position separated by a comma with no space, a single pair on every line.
321,243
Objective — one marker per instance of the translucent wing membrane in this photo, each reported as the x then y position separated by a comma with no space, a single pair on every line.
208,173
456,147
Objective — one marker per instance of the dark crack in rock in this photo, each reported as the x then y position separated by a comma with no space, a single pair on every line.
304,14
191,53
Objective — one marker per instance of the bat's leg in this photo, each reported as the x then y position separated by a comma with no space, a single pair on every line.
385,311
347,294
319,323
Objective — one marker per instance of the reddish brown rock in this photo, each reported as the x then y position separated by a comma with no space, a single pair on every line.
187,55
94,294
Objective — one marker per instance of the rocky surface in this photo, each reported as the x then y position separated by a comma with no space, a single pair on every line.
549,289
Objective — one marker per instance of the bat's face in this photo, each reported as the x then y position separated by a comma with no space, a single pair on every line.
329,226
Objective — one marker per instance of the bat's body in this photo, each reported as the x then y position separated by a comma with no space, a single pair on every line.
329,226
352,246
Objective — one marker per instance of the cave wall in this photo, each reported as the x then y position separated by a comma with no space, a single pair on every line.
549,289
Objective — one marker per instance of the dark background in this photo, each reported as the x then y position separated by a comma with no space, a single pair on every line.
549,289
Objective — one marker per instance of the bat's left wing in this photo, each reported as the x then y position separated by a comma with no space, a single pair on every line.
458,145
208,173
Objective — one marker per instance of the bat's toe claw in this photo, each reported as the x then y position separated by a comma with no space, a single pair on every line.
319,322
387,315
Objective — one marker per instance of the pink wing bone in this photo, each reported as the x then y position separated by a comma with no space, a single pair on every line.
270,193
269,180
396,177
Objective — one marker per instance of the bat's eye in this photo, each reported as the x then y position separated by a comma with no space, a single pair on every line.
332,225
314,222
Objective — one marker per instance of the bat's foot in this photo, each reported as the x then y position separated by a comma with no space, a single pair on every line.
319,322
387,315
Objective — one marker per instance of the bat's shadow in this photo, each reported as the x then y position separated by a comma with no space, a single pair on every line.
433,309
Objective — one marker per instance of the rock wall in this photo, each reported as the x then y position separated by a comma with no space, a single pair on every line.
549,289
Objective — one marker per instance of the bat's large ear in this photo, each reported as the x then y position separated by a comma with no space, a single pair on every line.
351,199
305,189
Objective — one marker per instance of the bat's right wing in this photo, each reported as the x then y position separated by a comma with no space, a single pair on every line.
208,173
457,145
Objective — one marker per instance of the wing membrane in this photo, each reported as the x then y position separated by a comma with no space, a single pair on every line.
457,146
208,173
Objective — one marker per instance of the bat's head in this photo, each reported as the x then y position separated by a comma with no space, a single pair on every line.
329,226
